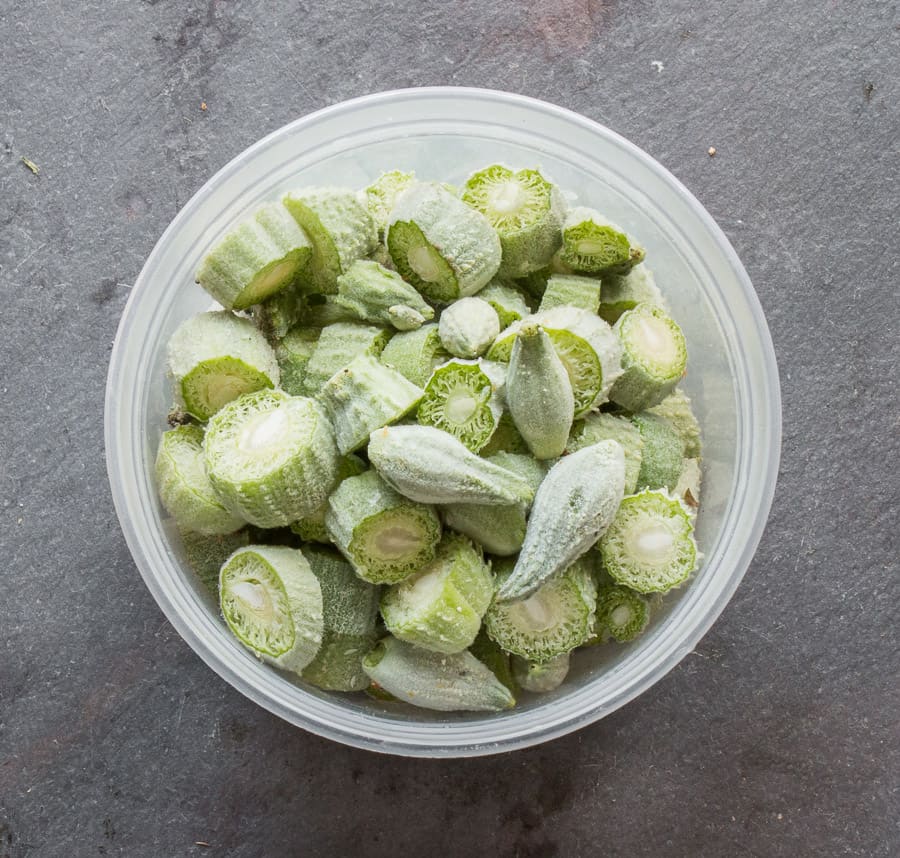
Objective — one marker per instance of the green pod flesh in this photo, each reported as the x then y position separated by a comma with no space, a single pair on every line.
490,655
662,454
439,608
573,506
206,554
311,528
506,439
507,301
338,345
570,290
260,256
415,354
380,196
676,408
611,427
446,249
185,490
555,619
464,398
339,227
432,680
526,210
384,536
215,357
293,352
372,293
622,614
594,245
431,466
468,327
623,292
271,457
539,393
272,603
364,396
540,678
650,545
654,358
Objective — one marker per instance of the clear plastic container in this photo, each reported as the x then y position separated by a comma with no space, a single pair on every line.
445,133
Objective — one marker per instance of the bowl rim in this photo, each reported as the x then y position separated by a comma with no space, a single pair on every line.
323,715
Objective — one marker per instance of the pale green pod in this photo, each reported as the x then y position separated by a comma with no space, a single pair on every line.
415,354
541,677
439,608
662,453
312,528
468,327
339,227
213,358
677,409
539,393
272,603
271,457
601,426
445,248
572,507
621,292
594,245
263,254
433,680
206,554
508,302
431,466
385,536
571,290
622,614
339,344
374,294
293,352
380,196
185,490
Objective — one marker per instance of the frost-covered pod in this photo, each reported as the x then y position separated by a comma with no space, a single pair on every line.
654,358
206,554
621,292
363,396
312,528
490,655
439,608
385,536
622,614
434,680
468,327
525,209
271,457
260,256
349,609
539,393
213,358
508,302
445,248
339,344
380,196
415,354
339,227
372,293
464,398
272,603
571,290
662,453
677,409
601,426
591,244
293,352
541,677
573,506
650,545
431,466
557,617
184,488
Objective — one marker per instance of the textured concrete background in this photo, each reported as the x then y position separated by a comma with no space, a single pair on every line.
778,736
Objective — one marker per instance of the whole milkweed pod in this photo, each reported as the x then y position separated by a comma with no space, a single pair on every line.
272,603
445,248
541,677
447,682
526,210
650,545
431,466
293,352
374,294
508,302
571,290
592,244
654,358
677,409
262,255
601,426
415,354
337,346
621,292
385,536
468,327
271,457
212,358
622,614
339,227
380,196
312,528
573,506
206,554
439,607
184,488
662,452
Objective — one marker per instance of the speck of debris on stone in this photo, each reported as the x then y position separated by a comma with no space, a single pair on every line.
31,165
203,105
711,151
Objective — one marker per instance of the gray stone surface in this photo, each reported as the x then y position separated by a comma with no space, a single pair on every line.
778,736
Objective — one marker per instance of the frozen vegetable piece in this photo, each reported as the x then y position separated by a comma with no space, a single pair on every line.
623,292
507,301
571,290
293,352
677,409
468,327
279,313
415,354
601,426
338,344
490,655
206,554
538,677
594,245
312,528
622,614
374,294
380,196
662,453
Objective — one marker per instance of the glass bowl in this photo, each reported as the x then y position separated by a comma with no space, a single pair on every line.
445,133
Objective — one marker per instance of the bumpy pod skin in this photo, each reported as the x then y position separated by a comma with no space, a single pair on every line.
662,453
338,345
526,210
364,396
677,409
272,603
372,293
311,528
650,545
431,466
385,536
439,608
621,292
206,554
415,354
654,358
611,427
540,678
490,655
293,352
185,490
573,506
339,227
260,256
468,327
380,196
445,248
622,614
571,290
508,302
594,245
539,393
433,680
555,619
212,358
271,457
